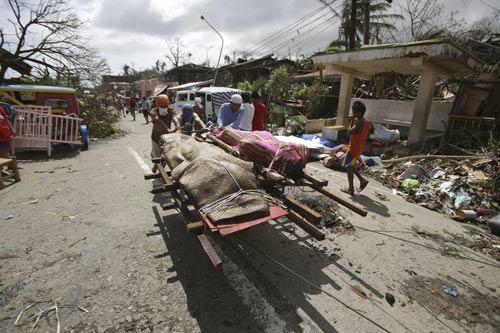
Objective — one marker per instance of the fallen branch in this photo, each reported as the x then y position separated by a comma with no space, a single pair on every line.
43,312
433,157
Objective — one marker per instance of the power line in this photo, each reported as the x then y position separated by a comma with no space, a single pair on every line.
307,41
293,32
302,35
296,28
326,22
290,26
287,29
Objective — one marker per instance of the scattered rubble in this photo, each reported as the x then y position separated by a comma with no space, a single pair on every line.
469,306
462,189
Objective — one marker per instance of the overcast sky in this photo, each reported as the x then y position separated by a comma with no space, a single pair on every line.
136,31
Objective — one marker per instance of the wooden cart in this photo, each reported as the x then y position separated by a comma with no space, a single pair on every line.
294,210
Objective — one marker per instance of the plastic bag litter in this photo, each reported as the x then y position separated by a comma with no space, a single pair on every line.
413,171
410,183
385,135
436,173
461,200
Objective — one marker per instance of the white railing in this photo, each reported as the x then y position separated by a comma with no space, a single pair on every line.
37,128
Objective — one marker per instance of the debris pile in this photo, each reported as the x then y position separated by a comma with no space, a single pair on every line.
330,217
462,189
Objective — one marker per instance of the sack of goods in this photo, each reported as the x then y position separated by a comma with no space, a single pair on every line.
224,187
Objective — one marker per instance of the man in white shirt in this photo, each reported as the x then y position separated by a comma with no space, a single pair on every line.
249,110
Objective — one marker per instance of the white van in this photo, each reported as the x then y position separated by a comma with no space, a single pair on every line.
211,97
182,97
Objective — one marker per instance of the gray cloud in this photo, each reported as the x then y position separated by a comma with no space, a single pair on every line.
121,27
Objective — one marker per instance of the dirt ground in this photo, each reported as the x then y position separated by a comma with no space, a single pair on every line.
84,233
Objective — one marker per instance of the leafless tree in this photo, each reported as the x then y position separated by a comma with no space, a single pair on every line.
426,19
48,35
421,17
175,52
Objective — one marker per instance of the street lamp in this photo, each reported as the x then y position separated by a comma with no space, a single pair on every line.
221,47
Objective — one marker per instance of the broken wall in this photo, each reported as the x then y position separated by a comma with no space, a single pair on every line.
399,113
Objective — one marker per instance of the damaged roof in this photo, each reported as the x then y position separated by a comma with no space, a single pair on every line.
440,55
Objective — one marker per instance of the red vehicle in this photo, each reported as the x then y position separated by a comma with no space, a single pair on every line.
62,101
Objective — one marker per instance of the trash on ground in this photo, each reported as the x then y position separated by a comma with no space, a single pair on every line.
390,299
449,290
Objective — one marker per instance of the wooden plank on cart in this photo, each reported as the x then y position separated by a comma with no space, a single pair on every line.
152,176
210,251
163,173
310,214
306,225
195,227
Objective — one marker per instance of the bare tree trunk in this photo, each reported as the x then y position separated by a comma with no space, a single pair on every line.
366,28
352,28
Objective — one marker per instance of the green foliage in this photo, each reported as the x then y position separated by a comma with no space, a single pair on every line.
99,119
245,85
260,83
277,85
333,49
300,92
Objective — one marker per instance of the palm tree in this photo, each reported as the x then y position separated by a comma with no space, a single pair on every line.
379,21
126,70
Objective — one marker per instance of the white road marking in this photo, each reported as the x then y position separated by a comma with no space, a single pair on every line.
264,313
139,160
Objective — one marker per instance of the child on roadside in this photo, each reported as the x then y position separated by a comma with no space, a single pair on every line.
358,131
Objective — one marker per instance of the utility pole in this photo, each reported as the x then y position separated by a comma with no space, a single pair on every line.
352,25
366,25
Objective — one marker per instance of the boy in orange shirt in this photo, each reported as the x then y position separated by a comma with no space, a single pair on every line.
359,129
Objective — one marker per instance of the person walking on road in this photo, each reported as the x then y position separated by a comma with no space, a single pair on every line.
132,105
259,113
145,109
162,117
358,131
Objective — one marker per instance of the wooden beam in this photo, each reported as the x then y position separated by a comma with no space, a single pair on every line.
152,176
169,205
182,206
164,175
306,225
210,251
195,227
351,205
310,214
316,181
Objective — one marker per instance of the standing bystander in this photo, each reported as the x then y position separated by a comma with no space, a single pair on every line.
6,132
248,113
259,114
230,113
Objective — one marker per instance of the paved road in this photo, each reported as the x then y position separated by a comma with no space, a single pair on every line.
84,233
